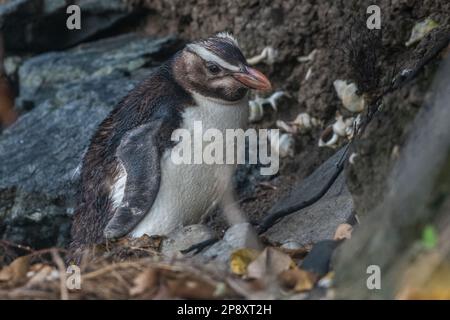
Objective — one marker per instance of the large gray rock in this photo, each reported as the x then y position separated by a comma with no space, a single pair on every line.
73,92
115,57
37,25
320,220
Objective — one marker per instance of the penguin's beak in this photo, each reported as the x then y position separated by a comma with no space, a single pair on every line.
253,79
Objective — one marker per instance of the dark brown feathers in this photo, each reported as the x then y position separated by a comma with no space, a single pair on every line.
159,97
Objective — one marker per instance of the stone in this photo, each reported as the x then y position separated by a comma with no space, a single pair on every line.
241,235
186,237
41,77
320,220
40,25
318,260
291,245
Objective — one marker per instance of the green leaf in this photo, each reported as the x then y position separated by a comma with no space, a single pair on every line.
429,237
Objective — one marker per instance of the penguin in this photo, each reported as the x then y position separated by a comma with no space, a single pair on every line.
129,184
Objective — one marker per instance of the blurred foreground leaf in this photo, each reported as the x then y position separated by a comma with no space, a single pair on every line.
429,237
240,259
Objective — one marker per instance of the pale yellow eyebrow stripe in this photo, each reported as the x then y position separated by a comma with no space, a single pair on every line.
207,55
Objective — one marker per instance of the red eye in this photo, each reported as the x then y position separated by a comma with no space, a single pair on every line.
213,68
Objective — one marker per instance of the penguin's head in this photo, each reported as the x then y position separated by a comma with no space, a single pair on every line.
216,68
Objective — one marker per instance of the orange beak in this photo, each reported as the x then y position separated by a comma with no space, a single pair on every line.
253,79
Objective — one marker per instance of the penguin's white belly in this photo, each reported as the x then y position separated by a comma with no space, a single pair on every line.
189,191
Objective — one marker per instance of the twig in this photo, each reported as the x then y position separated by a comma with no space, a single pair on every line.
120,279
23,294
15,245
62,274
110,268
44,251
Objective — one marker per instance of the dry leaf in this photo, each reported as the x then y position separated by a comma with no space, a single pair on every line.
420,30
343,231
250,289
146,281
41,274
240,259
16,272
269,262
298,253
190,288
297,279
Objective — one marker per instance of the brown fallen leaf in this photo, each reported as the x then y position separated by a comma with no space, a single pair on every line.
145,282
298,280
270,262
298,253
186,287
249,289
16,272
343,231
240,259
41,273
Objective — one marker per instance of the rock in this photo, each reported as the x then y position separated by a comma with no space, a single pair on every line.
47,29
40,153
320,220
186,237
318,260
291,245
241,235
41,76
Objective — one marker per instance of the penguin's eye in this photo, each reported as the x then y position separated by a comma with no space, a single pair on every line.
213,68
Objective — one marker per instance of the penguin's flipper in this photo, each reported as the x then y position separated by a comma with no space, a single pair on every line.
138,153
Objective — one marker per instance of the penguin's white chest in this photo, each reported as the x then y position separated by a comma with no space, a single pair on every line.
188,191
